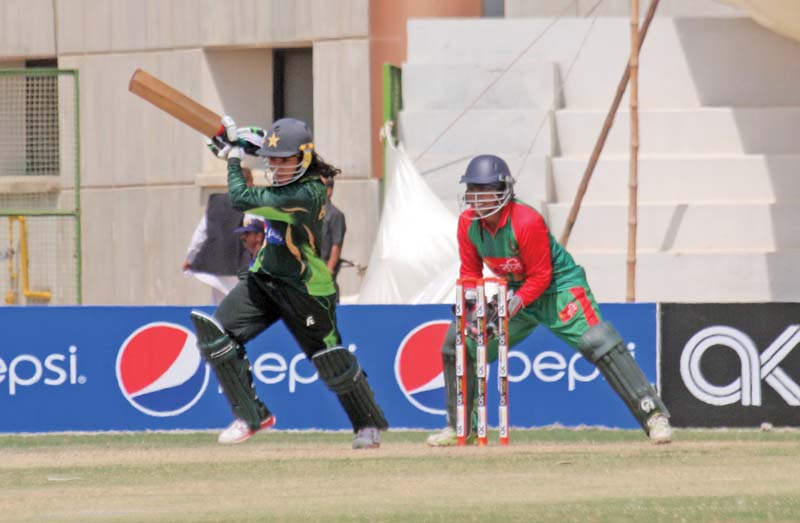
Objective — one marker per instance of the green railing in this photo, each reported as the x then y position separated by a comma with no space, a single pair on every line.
392,95
40,197
392,105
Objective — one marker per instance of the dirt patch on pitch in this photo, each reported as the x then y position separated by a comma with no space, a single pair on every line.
260,449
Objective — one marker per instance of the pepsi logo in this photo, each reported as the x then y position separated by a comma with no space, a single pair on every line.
418,366
160,371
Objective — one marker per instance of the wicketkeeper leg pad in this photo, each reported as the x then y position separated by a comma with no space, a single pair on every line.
449,372
232,368
339,369
603,346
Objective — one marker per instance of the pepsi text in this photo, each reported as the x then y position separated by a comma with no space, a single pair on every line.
26,370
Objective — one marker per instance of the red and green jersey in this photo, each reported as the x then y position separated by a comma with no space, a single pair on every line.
294,215
521,250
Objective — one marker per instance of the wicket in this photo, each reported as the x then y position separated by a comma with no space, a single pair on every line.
481,366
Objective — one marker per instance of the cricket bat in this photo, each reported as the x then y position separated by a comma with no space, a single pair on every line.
175,103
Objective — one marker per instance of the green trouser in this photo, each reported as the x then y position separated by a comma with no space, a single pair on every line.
568,314
573,316
259,301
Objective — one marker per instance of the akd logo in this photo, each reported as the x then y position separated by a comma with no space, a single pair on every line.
755,367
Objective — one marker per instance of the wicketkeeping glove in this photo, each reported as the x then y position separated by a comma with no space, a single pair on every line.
492,318
514,305
471,317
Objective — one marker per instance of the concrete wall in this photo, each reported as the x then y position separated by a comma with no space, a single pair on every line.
102,26
341,118
26,29
145,176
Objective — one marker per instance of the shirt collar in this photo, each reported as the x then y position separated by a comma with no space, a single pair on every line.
505,212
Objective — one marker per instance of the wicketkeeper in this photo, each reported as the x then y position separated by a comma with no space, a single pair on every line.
288,281
549,289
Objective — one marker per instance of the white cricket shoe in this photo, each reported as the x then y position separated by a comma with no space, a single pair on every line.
658,429
239,431
447,437
367,438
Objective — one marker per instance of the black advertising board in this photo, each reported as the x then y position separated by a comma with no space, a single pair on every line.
731,364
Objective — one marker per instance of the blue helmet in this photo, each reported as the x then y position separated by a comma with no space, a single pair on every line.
487,169
490,185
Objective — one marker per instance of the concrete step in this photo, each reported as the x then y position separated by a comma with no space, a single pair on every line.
477,132
695,276
491,42
682,227
455,86
686,132
677,179
684,62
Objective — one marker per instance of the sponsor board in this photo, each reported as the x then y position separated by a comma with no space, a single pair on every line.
731,365
136,368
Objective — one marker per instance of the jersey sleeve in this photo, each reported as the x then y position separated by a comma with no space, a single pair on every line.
533,239
244,198
471,261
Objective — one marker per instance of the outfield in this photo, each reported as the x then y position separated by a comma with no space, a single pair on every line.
545,475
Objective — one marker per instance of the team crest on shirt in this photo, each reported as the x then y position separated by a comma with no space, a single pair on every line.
272,236
513,248
505,265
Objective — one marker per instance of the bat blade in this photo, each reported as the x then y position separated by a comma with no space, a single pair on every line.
175,103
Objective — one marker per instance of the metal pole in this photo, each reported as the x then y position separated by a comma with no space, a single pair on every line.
633,179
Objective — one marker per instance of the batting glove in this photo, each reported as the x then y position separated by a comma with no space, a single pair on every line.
251,139
221,144
231,134
218,146
236,152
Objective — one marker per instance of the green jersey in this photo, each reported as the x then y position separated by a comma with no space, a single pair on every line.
294,214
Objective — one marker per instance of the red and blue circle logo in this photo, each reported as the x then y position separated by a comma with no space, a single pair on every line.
418,366
160,371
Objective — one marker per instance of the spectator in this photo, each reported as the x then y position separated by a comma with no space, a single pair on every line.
334,228
215,255
252,235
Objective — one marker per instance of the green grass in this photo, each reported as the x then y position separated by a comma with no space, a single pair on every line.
545,475
563,435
